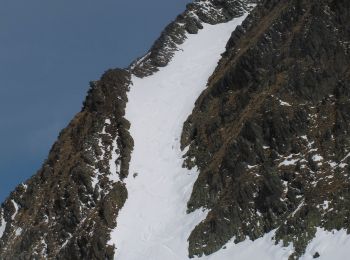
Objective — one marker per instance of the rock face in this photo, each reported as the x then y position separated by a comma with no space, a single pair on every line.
269,135
66,210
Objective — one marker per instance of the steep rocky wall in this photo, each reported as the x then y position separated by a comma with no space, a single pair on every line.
65,211
270,133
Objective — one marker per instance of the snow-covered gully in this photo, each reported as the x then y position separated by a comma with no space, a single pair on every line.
153,224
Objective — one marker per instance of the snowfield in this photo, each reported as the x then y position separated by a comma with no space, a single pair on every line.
334,245
153,224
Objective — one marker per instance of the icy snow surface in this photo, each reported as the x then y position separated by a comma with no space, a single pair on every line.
153,223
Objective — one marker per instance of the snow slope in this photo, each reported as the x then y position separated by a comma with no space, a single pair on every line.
153,223
263,248
334,245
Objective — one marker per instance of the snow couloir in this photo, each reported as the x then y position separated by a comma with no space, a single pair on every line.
153,224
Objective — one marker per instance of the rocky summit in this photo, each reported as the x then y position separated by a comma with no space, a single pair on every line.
229,139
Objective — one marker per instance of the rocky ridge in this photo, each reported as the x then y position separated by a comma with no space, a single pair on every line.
66,210
189,22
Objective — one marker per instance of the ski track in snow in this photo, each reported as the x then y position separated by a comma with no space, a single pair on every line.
153,224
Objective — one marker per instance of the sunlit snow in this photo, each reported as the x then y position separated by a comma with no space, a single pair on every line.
263,248
153,224
330,245
16,209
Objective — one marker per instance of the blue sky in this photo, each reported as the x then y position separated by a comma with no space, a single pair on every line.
50,50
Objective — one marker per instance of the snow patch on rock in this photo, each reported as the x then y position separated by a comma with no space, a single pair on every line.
16,209
114,164
2,226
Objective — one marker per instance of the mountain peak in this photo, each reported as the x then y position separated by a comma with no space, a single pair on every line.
189,22
228,139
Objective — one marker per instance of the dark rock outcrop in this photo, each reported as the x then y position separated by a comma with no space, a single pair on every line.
66,210
270,133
